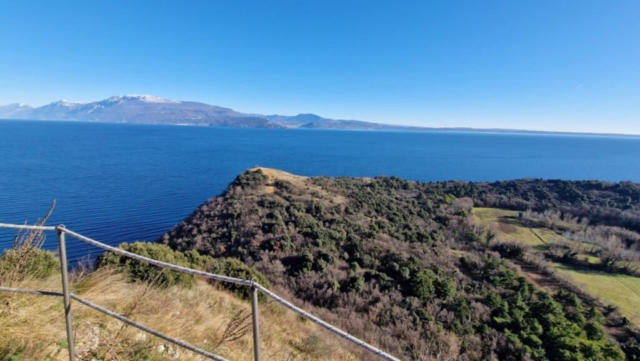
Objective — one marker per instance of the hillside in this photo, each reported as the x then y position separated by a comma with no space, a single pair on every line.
211,315
576,260
426,271
408,262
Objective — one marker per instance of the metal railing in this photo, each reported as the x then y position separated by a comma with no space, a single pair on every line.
255,287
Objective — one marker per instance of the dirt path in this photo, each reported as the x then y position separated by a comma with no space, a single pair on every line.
627,287
537,235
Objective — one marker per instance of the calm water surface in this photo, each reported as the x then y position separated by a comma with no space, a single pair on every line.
120,182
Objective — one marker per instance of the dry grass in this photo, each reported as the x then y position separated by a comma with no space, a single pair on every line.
299,182
275,174
32,327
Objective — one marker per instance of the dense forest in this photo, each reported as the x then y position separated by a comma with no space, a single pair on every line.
404,265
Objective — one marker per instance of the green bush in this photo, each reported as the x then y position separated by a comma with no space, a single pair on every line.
31,263
250,179
511,250
232,267
145,272
138,271
445,288
422,285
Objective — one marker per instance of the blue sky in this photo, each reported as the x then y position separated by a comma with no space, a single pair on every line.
548,65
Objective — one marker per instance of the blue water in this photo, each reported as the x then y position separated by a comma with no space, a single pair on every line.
120,182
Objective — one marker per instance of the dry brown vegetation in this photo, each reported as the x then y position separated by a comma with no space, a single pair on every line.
32,327
299,182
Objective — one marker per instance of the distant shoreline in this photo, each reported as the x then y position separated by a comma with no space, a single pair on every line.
383,128
154,110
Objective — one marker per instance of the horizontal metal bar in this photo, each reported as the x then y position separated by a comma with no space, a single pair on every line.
33,292
153,261
327,326
175,341
24,226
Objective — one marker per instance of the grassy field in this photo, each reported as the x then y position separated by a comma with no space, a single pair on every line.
616,289
510,228
620,290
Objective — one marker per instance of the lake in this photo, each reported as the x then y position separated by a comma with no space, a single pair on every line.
123,182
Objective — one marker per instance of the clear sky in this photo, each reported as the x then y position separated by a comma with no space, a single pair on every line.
547,65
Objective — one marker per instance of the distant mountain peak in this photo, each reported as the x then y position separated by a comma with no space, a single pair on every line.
139,98
66,103
152,109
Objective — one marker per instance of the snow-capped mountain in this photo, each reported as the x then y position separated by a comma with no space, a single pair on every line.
140,98
151,109
146,109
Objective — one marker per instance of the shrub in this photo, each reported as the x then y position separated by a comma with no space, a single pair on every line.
138,271
27,260
422,285
511,250
232,267
356,284
145,272
250,179
32,263
307,262
313,346
445,288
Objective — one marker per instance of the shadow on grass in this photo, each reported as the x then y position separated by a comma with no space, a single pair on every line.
541,247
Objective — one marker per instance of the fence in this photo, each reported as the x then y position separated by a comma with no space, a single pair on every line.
255,287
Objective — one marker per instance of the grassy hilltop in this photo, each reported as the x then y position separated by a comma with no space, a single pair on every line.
517,270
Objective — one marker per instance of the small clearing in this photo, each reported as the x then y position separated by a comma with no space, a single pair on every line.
510,228
620,290
300,182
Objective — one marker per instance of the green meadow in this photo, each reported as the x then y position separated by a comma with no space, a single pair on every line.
622,291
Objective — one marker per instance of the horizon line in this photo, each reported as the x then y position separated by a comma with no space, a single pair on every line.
401,126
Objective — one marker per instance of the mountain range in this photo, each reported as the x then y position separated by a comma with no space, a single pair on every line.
149,109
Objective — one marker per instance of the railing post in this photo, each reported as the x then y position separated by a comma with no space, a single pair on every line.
256,325
65,291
